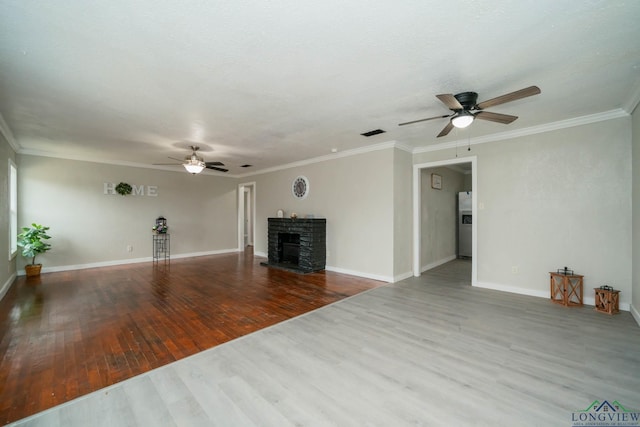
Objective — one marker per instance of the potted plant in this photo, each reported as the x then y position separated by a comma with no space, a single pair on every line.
31,242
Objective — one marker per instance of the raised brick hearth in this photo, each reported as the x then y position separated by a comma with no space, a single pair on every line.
297,244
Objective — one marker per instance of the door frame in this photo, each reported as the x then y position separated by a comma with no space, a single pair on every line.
251,186
417,214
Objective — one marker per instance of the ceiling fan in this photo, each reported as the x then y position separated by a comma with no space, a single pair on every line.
466,110
195,164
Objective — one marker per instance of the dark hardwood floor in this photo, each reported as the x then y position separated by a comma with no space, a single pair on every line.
70,333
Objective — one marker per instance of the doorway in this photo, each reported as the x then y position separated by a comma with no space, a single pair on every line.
246,215
418,205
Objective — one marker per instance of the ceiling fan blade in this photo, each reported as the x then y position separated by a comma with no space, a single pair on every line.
450,101
424,120
165,164
446,129
505,119
173,158
519,94
215,168
214,164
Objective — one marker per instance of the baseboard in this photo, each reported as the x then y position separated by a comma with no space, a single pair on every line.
539,293
381,278
205,253
437,263
126,261
91,265
352,272
512,289
635,313
403,276
7,285
355,273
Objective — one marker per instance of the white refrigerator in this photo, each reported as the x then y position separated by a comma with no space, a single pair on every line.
464,224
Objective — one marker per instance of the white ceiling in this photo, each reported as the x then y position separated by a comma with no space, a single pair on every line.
273,82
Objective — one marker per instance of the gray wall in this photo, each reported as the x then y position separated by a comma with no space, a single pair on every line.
91,228
559,198
8,271
354,194
636,213
438,239
402,214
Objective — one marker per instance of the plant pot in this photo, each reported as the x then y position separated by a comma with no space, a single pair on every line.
32,270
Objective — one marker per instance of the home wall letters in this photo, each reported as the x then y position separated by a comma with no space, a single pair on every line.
109,188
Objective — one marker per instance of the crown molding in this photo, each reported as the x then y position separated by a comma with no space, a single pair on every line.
118,163
8,135
634,99
333,156
562,124
547,127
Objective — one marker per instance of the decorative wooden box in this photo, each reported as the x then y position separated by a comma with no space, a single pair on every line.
607,300
566,289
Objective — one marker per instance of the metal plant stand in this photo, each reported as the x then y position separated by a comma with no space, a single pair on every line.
161,247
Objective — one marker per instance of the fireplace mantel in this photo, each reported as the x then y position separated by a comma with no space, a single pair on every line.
312,243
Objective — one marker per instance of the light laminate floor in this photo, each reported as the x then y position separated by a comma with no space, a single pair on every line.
67,334
427,351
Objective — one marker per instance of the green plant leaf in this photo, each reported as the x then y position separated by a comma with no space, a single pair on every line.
30,240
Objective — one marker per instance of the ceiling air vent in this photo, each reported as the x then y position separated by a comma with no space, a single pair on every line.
373,132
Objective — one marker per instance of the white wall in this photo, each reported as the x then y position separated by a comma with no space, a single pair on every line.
89,227
354,194
366,199
8,270
402,215
438,239
560,198
636,214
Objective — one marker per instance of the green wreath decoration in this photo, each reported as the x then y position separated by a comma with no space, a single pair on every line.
123,189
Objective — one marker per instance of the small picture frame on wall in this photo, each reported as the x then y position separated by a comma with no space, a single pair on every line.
436,181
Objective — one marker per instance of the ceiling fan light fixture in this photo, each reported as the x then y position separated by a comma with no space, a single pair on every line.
194,166
462,120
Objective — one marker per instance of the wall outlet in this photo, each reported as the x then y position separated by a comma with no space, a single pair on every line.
129,248
515,269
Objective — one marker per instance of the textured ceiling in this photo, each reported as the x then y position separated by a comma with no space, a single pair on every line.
273,82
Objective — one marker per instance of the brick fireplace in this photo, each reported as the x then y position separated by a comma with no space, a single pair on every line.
297,244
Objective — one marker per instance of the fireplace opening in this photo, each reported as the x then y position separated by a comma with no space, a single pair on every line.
289,248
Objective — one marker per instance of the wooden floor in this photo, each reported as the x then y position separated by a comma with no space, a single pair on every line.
427,351
72,333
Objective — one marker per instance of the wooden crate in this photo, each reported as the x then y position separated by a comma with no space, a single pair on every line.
566,289
607,301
